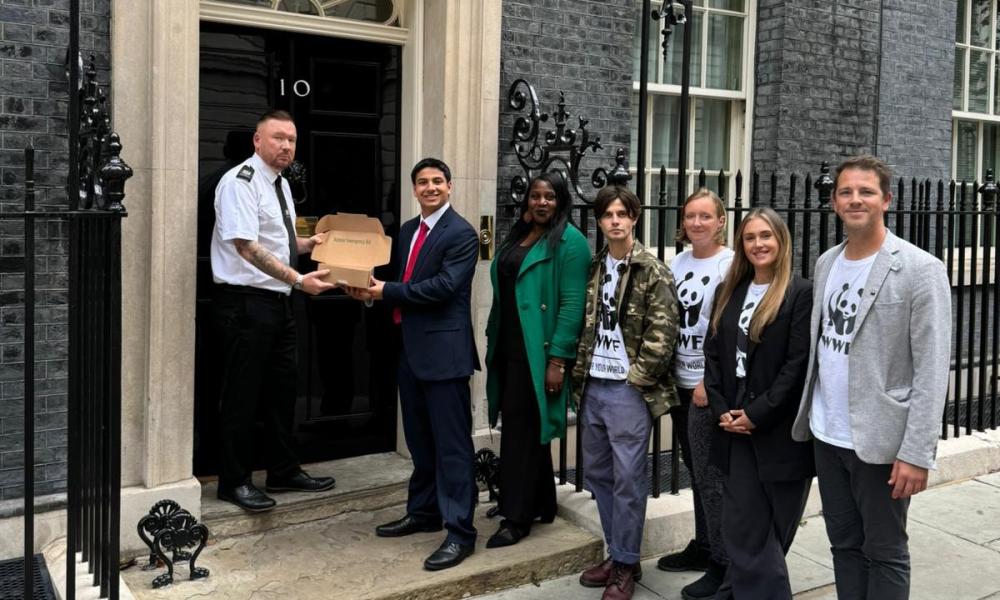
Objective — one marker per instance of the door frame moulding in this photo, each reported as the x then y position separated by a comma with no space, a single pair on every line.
253,16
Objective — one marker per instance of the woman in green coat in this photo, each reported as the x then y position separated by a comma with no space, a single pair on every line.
539,280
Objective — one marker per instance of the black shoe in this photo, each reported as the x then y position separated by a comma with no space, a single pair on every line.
509,534
706,586
450,554
406,526
247,497
300,482
691,558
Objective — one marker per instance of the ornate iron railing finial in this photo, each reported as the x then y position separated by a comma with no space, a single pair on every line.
561,148
824,184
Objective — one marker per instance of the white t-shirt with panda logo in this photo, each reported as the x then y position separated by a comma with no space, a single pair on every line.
830,419
610,360
696,280
755,293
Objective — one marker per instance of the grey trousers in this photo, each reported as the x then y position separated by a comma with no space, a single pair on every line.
866,527
615,429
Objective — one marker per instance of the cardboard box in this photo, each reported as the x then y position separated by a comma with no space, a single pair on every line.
355,244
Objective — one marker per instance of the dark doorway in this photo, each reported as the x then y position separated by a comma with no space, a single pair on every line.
345,98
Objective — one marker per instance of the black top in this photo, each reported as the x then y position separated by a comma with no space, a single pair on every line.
511,343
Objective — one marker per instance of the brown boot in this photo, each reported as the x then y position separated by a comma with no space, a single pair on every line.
621,583
597,575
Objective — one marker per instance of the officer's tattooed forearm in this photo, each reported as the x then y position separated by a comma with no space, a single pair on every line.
255,254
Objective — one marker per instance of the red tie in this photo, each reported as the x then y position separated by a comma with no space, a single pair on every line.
397,315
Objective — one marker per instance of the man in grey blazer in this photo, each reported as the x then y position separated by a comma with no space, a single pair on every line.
876,384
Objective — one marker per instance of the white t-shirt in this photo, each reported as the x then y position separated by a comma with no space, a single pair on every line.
610,359
752,300
696,280
830,419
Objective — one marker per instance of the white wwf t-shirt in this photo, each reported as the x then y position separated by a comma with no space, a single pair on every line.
610,359
755,293
830,419
696,280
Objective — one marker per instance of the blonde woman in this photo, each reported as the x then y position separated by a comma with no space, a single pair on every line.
755,365
697,272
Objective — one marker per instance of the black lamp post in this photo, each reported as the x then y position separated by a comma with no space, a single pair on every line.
672,13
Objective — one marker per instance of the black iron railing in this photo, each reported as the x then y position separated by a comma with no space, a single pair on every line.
94,213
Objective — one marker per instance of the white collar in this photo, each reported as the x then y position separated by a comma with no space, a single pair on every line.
432,219
265,169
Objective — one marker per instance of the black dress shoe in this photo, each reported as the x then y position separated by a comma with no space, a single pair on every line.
406,526
509,534
450,554
300,482
247,497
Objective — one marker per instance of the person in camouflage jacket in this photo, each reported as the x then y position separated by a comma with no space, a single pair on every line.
622,380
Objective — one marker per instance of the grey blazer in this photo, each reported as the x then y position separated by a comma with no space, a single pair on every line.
899,359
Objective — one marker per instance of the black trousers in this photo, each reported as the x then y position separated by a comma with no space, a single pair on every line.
759,522
527,485
257,333
679,418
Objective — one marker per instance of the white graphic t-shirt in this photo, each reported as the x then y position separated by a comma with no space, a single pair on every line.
830,419
755,293
610,359
696,280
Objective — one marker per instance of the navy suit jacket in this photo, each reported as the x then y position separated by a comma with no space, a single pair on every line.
438,340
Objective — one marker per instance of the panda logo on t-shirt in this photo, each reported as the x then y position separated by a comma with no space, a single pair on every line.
843,309
609,305
741,340
691,295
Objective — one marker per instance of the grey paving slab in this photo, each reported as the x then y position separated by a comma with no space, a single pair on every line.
567,588
968,510
991,479
341,559
947,566
806,574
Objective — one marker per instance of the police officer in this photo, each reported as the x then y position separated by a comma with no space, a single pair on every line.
254,254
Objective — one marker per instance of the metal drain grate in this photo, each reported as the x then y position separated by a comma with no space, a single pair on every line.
12,580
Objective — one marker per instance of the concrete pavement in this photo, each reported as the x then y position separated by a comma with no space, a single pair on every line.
954,544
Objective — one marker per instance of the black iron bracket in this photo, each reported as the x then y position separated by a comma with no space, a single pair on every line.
170,528
561,148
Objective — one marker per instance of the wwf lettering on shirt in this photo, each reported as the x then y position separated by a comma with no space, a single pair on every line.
606,342
691,341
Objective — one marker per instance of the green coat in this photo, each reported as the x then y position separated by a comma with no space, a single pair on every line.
550,291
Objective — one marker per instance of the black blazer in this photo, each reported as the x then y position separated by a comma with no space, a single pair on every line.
438,339
776,372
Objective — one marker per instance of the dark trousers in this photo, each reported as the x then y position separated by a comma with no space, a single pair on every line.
257,334
866,527
679,416
759,521
437,422
695,427
527,485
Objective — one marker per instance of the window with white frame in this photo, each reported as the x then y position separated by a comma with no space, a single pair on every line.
721,67
975,98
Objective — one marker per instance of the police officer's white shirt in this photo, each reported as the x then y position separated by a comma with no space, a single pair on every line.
249,210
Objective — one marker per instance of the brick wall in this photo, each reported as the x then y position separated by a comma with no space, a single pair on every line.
34,37
915,87
851,76
581,47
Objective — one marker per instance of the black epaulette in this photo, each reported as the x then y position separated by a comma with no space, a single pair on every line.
246,173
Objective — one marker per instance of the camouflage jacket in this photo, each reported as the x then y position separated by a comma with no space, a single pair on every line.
649,324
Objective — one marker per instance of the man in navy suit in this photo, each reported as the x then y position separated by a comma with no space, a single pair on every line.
437,254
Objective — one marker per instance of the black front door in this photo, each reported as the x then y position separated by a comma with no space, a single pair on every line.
344,96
